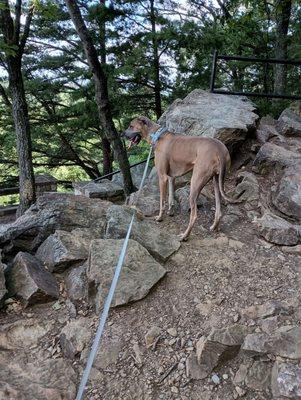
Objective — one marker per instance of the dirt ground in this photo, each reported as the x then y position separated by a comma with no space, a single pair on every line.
209,281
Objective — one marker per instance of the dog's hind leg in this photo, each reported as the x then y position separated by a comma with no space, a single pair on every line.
171,196
163,186
218,212
198,181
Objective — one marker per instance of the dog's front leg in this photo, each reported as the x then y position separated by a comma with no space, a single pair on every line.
171,196
162,185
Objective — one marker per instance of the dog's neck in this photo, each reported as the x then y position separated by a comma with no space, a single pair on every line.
149,129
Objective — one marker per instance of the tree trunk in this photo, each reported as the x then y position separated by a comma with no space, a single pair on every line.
282,17
101,95
156,61
11,34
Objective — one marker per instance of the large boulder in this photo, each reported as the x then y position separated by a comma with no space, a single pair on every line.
64,249
53,211
148,200
227,118
182,196
288,194
159,243
277,230
248,187
139,274
267,129
271,156
290,122
30,281
104,189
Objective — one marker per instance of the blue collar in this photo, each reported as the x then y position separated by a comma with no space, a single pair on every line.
156,135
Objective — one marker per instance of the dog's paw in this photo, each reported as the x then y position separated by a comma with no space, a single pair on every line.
170,212
182,238
158,218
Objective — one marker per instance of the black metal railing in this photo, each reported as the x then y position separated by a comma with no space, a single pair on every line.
266,61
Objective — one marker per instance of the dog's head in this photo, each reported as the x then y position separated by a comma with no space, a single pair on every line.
137,130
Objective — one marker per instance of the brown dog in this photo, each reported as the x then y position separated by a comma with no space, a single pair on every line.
175,155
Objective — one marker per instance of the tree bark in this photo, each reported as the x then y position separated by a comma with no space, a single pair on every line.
282,17
156,61
101,94
11,33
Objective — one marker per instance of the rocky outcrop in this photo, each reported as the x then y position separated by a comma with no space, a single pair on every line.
287,198
139,274
30,281
267,129
272,156
277,230
290,122
160,244
248,187
104,189
63,249
53,211
227,118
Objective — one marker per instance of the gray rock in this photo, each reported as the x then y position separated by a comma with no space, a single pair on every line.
296,250
75,336
248,187
151,335
76,283
53,211
284,342
182,196
148,201
227,118
290,122
277,230
63,249
220,346
108,356
160,244
3,289
268,309
104,189
270,156
23,333
194,370
139,274
259,376
267,128
30,281
50,379
286,381
288,194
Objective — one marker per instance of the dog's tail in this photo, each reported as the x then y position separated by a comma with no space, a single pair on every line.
221,179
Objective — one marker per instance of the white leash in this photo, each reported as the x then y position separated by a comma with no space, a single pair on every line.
106,308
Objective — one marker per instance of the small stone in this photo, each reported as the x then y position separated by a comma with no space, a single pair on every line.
172,332
181,366
174,389
215,379
225,376
241,392
152,335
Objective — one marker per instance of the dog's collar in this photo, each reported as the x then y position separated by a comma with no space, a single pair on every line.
156,135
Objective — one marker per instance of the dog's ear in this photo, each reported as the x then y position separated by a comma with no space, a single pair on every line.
144,121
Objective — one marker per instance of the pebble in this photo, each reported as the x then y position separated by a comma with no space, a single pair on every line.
225,376
174,389
181,366
172,332
215,379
